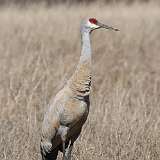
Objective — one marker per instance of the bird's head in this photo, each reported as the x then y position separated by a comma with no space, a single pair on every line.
93,24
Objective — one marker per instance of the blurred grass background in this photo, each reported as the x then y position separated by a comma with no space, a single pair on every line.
39,49
71,2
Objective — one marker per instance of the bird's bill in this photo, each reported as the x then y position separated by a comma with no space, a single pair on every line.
101,25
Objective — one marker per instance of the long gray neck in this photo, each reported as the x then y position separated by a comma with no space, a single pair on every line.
86,47
80,82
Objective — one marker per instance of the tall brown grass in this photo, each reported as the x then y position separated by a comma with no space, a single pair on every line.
39,49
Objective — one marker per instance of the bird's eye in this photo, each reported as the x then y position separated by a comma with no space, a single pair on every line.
93,20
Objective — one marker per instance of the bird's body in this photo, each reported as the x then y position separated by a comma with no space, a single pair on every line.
69,109
66,115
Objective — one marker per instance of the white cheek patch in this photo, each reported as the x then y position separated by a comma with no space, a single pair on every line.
93,26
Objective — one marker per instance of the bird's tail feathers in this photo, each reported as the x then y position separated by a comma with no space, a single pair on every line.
47,152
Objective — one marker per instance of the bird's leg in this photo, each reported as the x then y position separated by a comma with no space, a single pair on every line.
69,150
64,157
64,131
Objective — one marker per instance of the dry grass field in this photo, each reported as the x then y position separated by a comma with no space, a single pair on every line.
39,49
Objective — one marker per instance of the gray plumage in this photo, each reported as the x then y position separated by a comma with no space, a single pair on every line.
68,111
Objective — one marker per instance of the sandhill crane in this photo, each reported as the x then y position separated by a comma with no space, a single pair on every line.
68,112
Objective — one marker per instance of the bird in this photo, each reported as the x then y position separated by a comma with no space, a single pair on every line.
68,111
